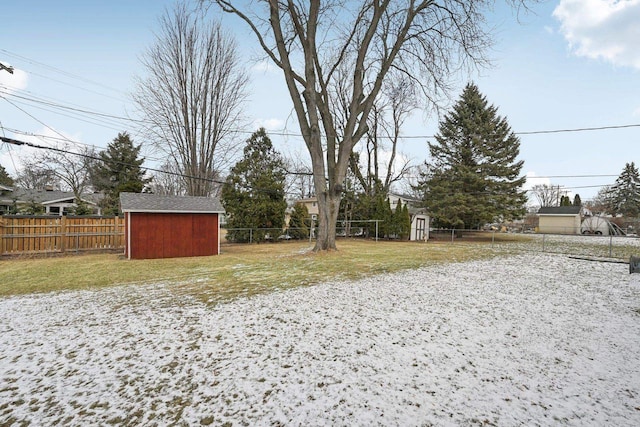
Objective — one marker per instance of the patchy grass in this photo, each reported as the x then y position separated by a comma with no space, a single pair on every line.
239,270
243,270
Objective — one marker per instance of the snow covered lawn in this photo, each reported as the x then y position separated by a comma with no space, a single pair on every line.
534,339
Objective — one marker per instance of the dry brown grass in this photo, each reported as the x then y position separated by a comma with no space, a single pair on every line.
239,270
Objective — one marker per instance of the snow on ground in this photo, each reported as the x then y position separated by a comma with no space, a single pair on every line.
534,339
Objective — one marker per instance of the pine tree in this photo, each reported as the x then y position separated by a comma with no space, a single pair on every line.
405,228
119,170
253,194
5,178
624,196
565,201
576,200
395,221
474,177
387,226
298,228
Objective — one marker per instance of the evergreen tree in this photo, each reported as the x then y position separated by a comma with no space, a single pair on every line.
5,178
298,228
565,201
474,177
396,221
386,215
119,170
401,221
405,223
624,195
82,208
576,200
253,194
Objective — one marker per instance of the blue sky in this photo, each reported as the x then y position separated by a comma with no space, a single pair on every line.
566,64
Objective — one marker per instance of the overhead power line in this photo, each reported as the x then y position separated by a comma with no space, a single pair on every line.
282,132
570,176
92,157
588,129
75,77
97,158
6,68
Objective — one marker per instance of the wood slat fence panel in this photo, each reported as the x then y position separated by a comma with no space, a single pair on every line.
54,234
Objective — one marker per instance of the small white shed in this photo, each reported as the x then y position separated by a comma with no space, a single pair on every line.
559,219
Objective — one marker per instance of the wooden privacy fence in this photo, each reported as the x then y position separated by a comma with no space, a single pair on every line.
59,234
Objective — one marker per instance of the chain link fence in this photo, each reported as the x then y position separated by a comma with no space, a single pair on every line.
587,245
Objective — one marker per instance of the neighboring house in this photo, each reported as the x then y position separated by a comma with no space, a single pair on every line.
5,202
312,206
560,219
170,226
53,202
418,215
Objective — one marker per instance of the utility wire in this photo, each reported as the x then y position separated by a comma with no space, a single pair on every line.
588,129
149,169
73,142
98,158
285,133
16,131
57,70
77,109
34,118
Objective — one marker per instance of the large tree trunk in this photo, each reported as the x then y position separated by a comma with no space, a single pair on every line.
327,216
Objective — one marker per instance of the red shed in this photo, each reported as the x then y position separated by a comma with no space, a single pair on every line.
170,226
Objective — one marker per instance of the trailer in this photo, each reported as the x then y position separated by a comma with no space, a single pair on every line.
600,226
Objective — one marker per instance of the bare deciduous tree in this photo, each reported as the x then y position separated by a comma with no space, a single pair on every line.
312,40
193,97
299,183
394,105
58,169
547,195
600,204
168,180
35,176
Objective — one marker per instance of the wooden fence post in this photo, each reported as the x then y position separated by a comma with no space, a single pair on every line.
63,233
116,236
3,229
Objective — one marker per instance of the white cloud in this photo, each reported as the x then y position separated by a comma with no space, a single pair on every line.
46,138
8,159
534,179
269,124
12,82
602,29
636,112
264,66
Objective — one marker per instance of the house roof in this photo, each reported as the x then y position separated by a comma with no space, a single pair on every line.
559,210
146,202
45,197
405,197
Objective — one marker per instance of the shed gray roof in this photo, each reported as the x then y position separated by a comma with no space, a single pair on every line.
145,202
559,210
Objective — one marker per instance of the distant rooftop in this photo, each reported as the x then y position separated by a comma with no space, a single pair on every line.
46,196
560,210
